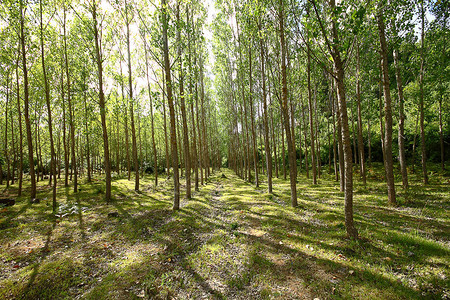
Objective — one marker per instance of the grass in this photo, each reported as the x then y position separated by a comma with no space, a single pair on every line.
230,241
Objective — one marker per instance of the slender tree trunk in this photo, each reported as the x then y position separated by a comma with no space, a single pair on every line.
6,133
389,163
99,61
194,134
285,111
369,141
339,71
173,134
305,134
71,112
380,107
36,141
200,151
118,143
26,101
49,112
274,143
127,142
19,112
187,155
335,150
166,141
203,119
442,93
252,121
265,120
65,145
283,150
130,90
362,166
88,154
13,144
421,102
310,107
150,98
401,123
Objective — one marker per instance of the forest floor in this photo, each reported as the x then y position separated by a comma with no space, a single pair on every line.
231,241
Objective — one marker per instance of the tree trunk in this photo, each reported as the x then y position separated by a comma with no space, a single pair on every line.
49,111
6,132
88,154
173,134
265,120
130,87
285,111
194,134
252,120
20,171
305,134
99,62
150,98
26,101
362,166
339,71
389,164
71,112
421,109
187,155
310,108
401,123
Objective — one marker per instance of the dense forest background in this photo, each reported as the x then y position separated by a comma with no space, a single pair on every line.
127,86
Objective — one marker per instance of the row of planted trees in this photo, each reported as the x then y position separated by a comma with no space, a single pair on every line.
105,87
303,84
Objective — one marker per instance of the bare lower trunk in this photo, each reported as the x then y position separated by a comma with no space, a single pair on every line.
49,112
421,102
99,61
173,133
362,166
187,155
26,99
285,112
389,163
401,123
266,121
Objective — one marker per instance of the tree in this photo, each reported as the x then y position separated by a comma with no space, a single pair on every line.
388,160
173,133
99,61
49,110
26,102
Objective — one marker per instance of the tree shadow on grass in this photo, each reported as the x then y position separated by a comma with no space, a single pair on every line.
45,251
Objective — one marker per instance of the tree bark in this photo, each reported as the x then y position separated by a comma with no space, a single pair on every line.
401,123
362,166
19,111
173,133
26,102
49,111
421,104
187,155
130,87
388,160
99,62
265,118
150,98
252,120
285,111
310,108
